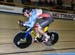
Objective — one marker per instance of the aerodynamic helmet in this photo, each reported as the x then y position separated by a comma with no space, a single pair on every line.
27,9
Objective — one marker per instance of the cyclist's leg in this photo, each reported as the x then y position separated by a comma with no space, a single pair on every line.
43,23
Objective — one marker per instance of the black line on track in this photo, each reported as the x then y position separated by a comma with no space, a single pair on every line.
47,50
13,43
5,43
66,41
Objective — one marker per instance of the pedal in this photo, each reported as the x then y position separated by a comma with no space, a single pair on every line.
40,39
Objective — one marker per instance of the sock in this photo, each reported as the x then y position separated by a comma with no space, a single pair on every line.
46,35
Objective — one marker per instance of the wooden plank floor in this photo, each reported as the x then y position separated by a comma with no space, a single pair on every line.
9,27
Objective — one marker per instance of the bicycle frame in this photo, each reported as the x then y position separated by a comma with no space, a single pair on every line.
33,33
27,32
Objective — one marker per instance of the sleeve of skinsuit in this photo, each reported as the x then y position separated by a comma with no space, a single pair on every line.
32,19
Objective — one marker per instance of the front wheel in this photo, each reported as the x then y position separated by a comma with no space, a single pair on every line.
25,42
53,38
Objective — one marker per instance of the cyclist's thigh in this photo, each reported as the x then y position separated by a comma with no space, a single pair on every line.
45,21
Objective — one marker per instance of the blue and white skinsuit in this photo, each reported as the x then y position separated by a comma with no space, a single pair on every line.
38,13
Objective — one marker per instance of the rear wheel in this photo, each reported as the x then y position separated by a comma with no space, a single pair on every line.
26,40
53,38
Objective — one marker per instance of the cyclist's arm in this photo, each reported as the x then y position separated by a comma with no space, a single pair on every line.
32,20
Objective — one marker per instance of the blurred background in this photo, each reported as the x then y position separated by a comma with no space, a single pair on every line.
55,4
64,24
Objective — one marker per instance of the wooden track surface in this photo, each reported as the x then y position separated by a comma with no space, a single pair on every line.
9,28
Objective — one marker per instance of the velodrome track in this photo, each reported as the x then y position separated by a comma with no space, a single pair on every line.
9,28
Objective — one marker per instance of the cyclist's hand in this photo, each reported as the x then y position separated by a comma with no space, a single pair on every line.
20,22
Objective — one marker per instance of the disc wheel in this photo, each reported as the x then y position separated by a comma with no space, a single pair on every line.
21,35
53,38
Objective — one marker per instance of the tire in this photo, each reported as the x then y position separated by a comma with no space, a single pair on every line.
53,38
21,36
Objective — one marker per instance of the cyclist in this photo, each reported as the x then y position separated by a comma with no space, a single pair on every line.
37,14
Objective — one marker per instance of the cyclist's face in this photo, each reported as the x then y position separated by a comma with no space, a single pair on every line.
26,14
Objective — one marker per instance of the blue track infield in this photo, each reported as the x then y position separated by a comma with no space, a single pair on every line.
66,53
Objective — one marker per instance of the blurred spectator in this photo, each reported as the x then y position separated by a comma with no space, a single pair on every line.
1,0
72,4
25,1
41,2
59,3
49,2
9,0
34,2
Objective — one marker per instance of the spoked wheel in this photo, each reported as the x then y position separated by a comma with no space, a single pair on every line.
53,38
21,41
